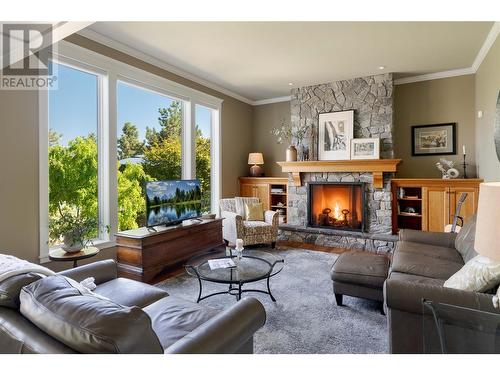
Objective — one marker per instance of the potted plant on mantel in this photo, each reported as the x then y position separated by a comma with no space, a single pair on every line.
74,229
286,133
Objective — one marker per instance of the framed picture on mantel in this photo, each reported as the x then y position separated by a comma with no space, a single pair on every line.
437,139
335,132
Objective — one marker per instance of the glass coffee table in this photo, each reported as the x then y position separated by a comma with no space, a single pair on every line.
255,265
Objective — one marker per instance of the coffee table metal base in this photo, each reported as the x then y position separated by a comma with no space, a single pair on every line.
236,291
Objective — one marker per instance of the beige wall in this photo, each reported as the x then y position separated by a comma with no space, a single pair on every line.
267,117
433,102
487,89
19,202
19,174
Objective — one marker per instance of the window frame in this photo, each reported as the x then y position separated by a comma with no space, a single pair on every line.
111,71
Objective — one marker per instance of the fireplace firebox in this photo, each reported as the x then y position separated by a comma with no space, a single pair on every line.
336,205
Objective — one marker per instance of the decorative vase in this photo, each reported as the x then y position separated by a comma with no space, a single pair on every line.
291,153
300,152
68,245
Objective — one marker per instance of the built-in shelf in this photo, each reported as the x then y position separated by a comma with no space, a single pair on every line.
409,199
375,166
278,193
409,215
276,206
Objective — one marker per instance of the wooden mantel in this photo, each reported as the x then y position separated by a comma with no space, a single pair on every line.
376,167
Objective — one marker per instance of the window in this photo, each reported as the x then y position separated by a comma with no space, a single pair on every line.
107,129
149,147
203,153
73,153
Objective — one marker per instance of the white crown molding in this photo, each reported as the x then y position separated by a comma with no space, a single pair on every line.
483,51
109,42
437,75
272,100
488,42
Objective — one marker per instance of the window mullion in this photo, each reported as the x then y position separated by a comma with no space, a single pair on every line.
188,170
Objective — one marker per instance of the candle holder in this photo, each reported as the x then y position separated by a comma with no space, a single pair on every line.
464,165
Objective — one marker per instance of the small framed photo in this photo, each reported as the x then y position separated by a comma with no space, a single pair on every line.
437,139
335,132
365,148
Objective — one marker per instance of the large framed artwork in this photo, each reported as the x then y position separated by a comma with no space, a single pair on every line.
437,139
335,132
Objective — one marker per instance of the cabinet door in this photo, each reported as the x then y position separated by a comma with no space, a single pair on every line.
262,191
247,190
437,213
469,207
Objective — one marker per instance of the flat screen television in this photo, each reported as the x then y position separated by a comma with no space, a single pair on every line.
171,202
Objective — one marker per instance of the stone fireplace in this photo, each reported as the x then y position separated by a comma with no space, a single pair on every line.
336,205
367,223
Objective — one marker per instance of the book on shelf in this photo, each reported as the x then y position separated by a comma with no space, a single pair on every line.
277,190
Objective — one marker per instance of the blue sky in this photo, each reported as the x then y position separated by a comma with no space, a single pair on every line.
73,106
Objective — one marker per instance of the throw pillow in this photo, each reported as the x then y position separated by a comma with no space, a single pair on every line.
477,275
254,212
464,242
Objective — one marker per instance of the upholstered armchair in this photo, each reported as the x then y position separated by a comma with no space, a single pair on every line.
251,232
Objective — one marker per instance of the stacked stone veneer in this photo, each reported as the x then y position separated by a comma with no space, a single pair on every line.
371,98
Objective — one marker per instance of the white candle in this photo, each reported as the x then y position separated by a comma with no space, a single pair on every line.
463,149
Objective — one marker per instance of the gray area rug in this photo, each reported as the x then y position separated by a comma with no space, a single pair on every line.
305,318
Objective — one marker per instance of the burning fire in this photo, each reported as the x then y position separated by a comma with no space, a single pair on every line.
337,211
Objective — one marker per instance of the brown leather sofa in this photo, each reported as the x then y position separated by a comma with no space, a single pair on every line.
422,262
132,317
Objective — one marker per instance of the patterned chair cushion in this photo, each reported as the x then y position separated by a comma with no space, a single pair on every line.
256,228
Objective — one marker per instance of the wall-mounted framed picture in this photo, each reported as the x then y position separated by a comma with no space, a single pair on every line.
365,148
336,129
436,139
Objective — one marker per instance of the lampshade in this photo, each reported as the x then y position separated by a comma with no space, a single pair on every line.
255,158
487,239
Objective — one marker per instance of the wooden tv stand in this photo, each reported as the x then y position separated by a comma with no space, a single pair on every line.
144,254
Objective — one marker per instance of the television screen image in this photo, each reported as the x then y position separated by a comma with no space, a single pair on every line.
170,202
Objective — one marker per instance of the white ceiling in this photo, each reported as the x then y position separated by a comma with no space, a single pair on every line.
257,60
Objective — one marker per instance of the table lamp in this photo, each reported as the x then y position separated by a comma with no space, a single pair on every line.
487,239
256,159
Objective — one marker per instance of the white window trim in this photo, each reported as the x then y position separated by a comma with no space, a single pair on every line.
114,71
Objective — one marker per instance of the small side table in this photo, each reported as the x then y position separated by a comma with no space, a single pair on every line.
59,255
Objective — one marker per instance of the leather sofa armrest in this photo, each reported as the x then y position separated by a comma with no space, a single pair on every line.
102,271
226,332
407,296
428,238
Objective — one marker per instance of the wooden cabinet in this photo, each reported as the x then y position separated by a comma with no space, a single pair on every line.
433,202
271,191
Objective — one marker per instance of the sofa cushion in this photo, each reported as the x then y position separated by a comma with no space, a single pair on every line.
415,279
360,268
465,240
254,212
86,322
423,265
11,287
173,318
128,292
429,250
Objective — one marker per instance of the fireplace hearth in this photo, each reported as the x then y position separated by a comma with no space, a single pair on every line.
336,205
